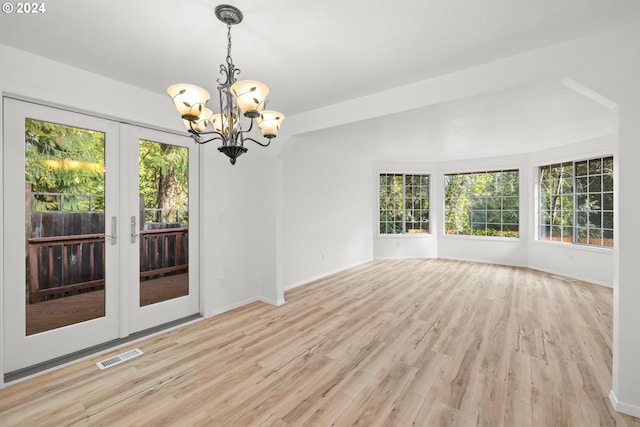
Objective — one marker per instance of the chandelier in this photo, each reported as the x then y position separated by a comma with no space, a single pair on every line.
237,98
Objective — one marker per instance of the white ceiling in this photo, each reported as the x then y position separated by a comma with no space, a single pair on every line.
313,54
510,122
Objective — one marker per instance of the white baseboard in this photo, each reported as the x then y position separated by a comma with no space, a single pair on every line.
534,267
564,274
322,275
239,304
479,261
273,302
233,306
625,408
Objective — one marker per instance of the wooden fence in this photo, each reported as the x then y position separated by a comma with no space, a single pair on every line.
163,251
66,265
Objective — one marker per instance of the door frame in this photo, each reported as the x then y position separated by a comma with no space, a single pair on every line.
141,318
122,310
89,333
2,237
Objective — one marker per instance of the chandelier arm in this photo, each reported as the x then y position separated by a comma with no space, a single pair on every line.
243,138
197,136
199,141
210,132
250,127
257,142
240,133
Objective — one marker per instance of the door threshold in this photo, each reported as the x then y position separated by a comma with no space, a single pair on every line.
29,371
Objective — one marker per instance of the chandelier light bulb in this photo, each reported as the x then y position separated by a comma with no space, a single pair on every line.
250,96
269,123
188,99
200,124
221,122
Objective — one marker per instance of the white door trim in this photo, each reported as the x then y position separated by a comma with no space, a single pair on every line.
20,350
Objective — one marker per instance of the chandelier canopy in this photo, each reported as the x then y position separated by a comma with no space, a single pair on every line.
244,98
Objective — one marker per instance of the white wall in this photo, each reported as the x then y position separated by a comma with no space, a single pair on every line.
326,212
574,261
241,249
592,264
491,250
237,229
580,262
405,245
607,63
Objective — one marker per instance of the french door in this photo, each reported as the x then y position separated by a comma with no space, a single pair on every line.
99,231
162,241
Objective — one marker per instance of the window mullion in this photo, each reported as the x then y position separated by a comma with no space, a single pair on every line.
404,203
575,205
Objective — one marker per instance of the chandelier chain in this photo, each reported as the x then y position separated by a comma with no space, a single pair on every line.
229,60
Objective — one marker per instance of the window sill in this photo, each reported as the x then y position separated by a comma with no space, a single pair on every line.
574,246
489,238
405,236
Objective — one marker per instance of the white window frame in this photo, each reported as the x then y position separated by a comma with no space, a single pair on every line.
404,231
501,210
575,222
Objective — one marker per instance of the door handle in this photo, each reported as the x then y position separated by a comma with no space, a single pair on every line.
133,229
113,237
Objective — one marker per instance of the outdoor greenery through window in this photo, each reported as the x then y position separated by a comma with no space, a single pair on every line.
164,182
64,167
576,202
404,203
482,203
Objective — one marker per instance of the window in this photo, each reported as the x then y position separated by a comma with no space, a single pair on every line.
482,203
576,202
404,203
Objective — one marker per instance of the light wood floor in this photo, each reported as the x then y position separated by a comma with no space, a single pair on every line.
388,343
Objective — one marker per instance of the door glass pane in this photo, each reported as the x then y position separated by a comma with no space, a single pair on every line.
64,199
164,221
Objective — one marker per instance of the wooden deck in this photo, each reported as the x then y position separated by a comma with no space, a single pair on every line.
388,343
73,309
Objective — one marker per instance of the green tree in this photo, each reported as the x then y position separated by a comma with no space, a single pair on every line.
164,179
391,203
457,203
64,160
482,204
556,200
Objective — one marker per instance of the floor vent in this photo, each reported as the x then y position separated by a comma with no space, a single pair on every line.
107,363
